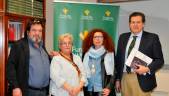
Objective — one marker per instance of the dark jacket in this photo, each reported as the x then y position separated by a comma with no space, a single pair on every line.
107,80
150,46
17,69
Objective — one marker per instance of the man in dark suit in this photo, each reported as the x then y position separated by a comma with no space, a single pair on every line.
29,63
141,80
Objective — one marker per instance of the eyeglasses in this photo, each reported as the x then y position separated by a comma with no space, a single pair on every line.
66,44
38,21
98,37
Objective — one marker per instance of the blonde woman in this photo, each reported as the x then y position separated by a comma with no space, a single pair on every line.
66,71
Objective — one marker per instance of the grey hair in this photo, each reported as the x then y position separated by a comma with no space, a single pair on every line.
65,35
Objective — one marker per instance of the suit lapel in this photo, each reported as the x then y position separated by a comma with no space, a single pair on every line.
142,42
126,39
124,45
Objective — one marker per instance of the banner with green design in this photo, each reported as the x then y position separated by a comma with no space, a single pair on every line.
79,18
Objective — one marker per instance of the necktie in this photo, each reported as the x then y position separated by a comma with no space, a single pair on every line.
128,69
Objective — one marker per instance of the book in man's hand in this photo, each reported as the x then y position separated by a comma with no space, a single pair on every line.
137,58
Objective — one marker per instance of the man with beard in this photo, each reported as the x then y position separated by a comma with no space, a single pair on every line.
29,63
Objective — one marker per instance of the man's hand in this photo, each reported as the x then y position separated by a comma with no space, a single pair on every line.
54,53
141,69
17,92
118,86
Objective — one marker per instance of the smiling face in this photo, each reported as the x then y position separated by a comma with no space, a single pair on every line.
136,24
98,39
65,45
35,33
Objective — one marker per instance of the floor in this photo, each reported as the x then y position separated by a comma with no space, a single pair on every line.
156,93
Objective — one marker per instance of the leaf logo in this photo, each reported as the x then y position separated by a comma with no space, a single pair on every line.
86,12
107,13
83,34
65,11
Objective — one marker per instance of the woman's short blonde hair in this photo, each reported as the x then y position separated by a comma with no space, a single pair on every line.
66,35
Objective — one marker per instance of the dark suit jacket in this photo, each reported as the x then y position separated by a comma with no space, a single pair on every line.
17,69
150,46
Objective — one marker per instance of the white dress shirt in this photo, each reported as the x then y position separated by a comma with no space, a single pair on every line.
136,46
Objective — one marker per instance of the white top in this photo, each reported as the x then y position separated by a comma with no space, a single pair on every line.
61,70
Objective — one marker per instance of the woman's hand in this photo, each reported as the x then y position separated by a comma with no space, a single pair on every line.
76,91
68,88
106,92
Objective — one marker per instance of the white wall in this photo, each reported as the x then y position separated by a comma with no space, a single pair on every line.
49,25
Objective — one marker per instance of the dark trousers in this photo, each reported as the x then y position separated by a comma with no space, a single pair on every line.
32,92
90,93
